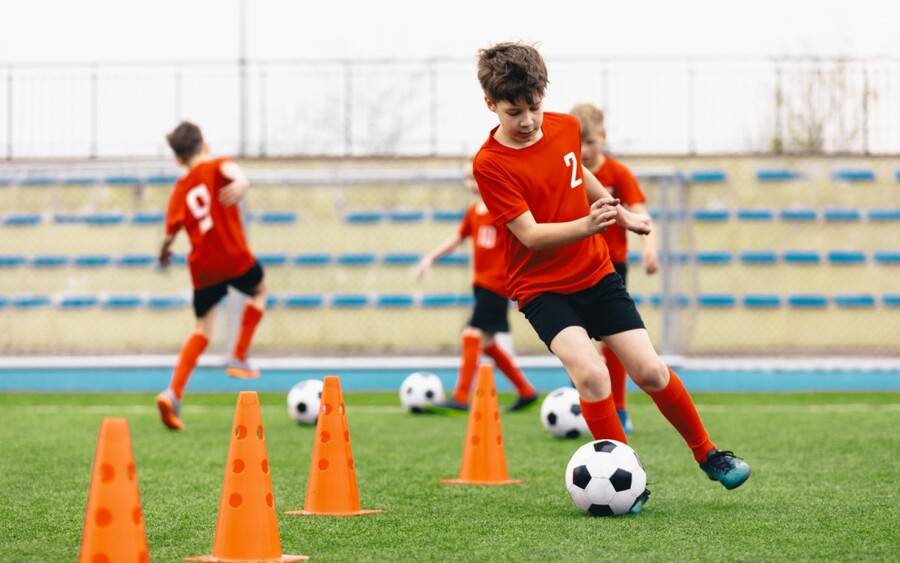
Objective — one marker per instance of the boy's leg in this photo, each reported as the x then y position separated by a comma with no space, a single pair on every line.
169,401
507,364
252,284
617,379
470,350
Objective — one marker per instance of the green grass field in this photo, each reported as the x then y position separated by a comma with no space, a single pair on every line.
825,483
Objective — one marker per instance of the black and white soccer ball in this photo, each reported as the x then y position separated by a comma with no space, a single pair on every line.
421,389
561,414
303,401
605,478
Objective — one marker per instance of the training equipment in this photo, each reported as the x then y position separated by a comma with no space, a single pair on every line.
303,401
726,468
561,414
605,478
420,390
483,459
247,526
331,488
113,520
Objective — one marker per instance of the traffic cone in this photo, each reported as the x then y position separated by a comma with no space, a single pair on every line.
113,520
331,489
247,527
483,460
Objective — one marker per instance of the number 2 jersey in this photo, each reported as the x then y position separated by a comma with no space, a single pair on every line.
546,179
218,249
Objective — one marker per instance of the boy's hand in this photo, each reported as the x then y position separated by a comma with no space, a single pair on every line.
422,267
651,261
602,215
634,222
231,194
165,256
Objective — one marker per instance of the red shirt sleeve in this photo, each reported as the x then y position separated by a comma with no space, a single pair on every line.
465,226
502,197
629,189
175,213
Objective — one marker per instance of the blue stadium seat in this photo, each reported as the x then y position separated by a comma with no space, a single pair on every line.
777,175
807,301
356,259
395,301
633,257
887,256
272,259
31,301
755,215
453,260
349,300
406,216
448,215
679,257
714,257
122,180
884,215
716,300
272,301
854,301
92,260
78,302
81,181
40,181
121,302
846,257
135,260
148,218
891,299
400,258
104,219
711,215
801,257
161,180
439,300
842,215
67,219
302,301
637,298
853,175
317,259
166,302
465,300
4,301
680,300
4,182
708,177
22,220
364,217
758,257
12,260
798,215
49,261
277,218
762,301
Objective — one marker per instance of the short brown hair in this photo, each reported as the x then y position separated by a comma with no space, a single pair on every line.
512,72
186,140
590,117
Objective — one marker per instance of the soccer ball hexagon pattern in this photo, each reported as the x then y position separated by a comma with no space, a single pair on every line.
605,478
561,414
421,389
303,401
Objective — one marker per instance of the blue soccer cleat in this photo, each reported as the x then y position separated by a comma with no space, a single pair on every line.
726,468
625,420
639,502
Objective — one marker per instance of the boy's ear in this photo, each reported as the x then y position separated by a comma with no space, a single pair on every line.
490,104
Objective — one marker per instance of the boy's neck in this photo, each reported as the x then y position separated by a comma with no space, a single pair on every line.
194,161
507,141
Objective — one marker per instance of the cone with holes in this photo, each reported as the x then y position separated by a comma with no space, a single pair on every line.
483,460
332,490
247,527
113,521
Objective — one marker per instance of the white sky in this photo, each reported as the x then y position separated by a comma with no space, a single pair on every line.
103,30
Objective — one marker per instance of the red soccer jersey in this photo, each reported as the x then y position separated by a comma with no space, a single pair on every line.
621,183
487,248
546,179
218,249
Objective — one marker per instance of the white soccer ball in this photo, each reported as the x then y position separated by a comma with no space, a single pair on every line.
420,389
605,478
561,414
303,401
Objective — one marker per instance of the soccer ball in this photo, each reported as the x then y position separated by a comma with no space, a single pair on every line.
303,401
421,389
561,414
605,478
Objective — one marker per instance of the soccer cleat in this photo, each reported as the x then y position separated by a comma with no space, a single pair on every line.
240,369
726,468
169,409
639,502
625,420
522,403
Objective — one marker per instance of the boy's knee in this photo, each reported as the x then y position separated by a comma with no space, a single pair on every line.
592,381
651,376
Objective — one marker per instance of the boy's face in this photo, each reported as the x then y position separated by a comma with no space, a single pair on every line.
592,146
469,180
520,121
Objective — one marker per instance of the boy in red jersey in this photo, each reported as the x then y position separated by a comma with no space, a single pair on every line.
490,315
204,203
530,175
622,185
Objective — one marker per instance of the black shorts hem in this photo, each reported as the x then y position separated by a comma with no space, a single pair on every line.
208,297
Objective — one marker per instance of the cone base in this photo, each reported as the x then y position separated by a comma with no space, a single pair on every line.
361,512
487,483
213,559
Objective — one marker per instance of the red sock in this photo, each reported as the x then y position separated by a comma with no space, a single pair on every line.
602,419
509,368
471,344
190,351
677,406
616,377
249,320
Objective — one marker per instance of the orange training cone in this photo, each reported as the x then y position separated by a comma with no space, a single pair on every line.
247,528
113,521
483,460
331,490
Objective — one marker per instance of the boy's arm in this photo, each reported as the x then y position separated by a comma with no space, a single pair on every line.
165,251
234,190
649,256
640,224
542,236
442,249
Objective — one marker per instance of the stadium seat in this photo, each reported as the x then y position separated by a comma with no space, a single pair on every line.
405,216
78,302
400,259
104,219
465,300
148,218
395,301
762,301
4,301
887,257
22,220
67,219
798,215
272,301
884,215
49,261
356,259
633,257
40,181
680,300
801,257
122,180
807,301
637,298
758,257
891,299
302,301
349,300
364,217
853,175
4,182
166,302
81,181
846,257
317,259
161,179
92,260
777,175
272,259
448,215
708,177
755,215
711,215
439,300
453,260
716,301
679,257
714,257
277,218
12,260
842,215
31,301
854,301
135,260
121,302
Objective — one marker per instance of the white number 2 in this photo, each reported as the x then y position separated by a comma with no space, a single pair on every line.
198,201
570,160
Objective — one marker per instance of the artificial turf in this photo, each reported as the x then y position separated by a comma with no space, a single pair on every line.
824,484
